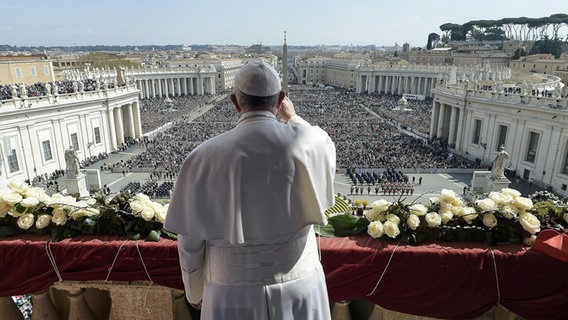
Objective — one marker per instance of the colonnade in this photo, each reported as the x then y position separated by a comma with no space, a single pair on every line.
123,121
175,86
447,123
396,84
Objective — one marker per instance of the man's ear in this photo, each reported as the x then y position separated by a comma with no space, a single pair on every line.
235,102
281,97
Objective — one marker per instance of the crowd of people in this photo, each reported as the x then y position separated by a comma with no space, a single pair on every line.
12,91
365,129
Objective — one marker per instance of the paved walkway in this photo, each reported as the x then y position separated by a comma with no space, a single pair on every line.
432,183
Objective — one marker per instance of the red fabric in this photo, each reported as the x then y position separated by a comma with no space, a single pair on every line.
451,281
25,266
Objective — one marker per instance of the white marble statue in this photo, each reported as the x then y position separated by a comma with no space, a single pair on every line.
498,166
71,162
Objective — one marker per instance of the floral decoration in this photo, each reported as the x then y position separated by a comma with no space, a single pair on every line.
29,210
497,217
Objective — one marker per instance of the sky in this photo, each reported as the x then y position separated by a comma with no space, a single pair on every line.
247,22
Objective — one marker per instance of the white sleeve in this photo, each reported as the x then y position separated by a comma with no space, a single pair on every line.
191,258
297,120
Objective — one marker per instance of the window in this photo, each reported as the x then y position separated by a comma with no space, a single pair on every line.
75,141
564,168
476,132
46,150
97,135
502,137
33,71
46,70
18,72
13,165
533,146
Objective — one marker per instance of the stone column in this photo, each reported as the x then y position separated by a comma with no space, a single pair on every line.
434,121
452,131
112,128
200,85
412,90
380,87
118,125
153,88
459,129
129,121
166,88
184,86
137,121
191,88
178,86
160,93
440,129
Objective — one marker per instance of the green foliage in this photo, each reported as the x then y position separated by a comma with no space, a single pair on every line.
104,60
343,225
546,45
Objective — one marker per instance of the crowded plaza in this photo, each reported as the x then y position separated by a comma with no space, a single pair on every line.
369,133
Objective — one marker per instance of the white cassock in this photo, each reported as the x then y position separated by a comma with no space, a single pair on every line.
243,207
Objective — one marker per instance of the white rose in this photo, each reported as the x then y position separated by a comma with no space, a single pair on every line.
456,210
142,197
514,193
36,192
59,216
418,209
29,202
523,203
393,218
161,214
446,216
529,222
43,221
529,241
12,197
509,212
446,206
486,205
433,219
380,205
375,229
25,221
137,206
447,195
413,221
4,208
19,187
83,212
91,201
434,200
469,214
391,229
489,220
147,214
501,198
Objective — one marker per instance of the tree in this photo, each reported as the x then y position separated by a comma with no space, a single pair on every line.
547,45
431,38
104,60
520,52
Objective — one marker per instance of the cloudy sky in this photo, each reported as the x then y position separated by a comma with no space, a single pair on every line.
246,22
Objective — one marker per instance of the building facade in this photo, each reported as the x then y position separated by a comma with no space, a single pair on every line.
25,69
532,128
36,131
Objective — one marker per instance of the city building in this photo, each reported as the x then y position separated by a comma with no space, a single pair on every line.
477,117
36,131
28,69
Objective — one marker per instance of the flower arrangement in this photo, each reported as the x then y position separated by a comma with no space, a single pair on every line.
29,210
503,216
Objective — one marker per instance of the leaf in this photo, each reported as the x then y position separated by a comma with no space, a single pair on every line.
7,231
325,231
170,235
345,225
154,235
